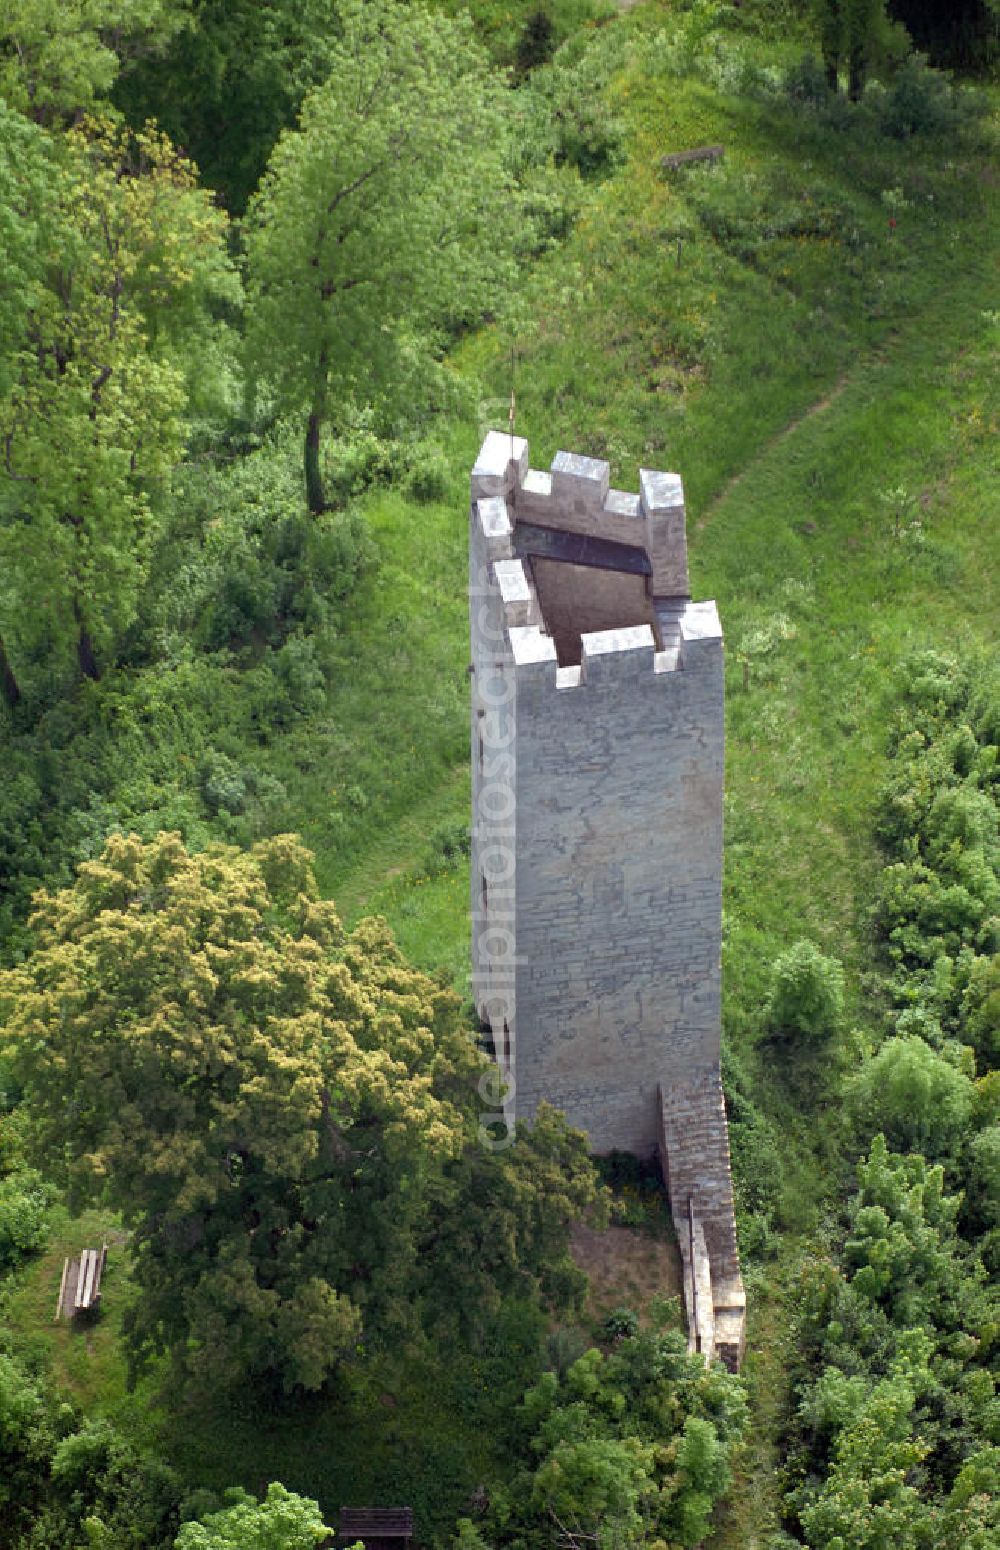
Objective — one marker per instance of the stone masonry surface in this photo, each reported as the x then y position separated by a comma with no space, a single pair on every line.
597,813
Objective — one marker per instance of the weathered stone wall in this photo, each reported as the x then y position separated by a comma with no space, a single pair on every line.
618,908
603,948
494,739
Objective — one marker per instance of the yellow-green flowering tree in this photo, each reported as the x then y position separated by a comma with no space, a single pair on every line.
278,1109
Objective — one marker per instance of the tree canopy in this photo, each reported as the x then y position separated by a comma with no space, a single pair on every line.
280,1111
111,277
59,58
379,217
282,1521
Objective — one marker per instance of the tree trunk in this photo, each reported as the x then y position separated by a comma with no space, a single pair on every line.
85,655
8,683
314,480
856,74
831,41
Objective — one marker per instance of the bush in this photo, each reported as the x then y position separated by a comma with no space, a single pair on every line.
245,562
805,81
223,784
807,994
564,112
621,1324
922,101
916,1097
25,1198
358,461
288,685
427,476
297,670
449,845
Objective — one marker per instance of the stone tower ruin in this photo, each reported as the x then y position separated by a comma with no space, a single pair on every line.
597,767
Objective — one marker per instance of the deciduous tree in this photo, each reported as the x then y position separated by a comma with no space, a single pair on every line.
380,215
274,1106
59,58
282,1521
920,1100
92,418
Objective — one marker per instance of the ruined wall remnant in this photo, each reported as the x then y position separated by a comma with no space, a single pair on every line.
597,756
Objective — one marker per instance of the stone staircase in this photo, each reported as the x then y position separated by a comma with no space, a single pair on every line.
694,1151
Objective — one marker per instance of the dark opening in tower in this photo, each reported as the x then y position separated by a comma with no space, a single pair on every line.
578,599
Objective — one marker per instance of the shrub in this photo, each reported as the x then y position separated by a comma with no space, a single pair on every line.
427,476
360,460
288,685
245,563
807,994
923,101
805,81
25,1198
223,784
621,1324
449,844
915,1096
932,682
564,114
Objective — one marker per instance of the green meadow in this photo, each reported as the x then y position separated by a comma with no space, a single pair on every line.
807,330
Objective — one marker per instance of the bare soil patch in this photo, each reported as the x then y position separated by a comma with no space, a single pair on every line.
627,1268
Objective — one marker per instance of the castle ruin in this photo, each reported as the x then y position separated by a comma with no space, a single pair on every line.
597,760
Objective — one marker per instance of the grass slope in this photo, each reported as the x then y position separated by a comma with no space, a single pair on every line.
826,385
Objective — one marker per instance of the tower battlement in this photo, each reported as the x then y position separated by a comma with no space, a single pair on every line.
592,582
597,738
597,765
574,498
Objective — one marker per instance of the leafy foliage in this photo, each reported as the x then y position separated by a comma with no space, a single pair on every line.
93,417
939,906
379,217
247,565
282,1521
24,1200
898,1412
67,1482
628,1448
904,1397
283,1113
59,58
916,1096
807,994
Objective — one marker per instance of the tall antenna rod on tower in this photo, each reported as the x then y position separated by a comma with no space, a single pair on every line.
512,415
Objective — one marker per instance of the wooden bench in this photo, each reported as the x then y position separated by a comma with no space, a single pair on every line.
700,153
80,1287
379,1528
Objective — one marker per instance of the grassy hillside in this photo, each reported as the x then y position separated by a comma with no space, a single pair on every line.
807,331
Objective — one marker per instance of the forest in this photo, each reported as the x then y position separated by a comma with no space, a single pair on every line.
269,269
